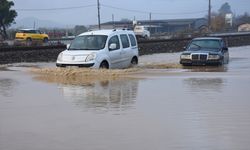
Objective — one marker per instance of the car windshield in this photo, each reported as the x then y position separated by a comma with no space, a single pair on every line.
88,42
209,44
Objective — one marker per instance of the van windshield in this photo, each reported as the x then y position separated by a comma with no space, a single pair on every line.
88,42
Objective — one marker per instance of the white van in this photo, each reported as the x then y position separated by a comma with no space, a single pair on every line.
101,49
141,32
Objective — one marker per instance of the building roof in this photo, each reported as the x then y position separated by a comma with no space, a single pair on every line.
168,21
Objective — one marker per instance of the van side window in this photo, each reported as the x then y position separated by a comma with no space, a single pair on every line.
114,40
132,40
125,41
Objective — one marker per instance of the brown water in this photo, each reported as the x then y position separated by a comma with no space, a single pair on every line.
158,105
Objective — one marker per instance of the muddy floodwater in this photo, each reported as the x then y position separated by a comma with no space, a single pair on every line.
158,105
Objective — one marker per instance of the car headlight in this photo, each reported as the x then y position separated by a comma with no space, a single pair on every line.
59,58
185,56
90,57
213,57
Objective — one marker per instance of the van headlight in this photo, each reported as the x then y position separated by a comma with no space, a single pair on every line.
213,57
185,56
90,57
59,58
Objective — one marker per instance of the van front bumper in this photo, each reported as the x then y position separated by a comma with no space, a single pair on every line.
76,65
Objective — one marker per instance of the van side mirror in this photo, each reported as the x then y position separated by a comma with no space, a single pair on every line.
67,46
112,46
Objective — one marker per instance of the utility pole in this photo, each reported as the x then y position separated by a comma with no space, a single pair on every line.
150,21
209,15
34,25
113,21
99,19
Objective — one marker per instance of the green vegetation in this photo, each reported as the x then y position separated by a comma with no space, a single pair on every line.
7,16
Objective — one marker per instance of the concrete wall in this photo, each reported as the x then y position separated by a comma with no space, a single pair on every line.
47,54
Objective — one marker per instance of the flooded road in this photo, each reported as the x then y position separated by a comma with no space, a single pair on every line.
156,106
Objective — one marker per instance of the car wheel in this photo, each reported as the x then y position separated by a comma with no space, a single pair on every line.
221,62
45,40
28,41
134,61
104,65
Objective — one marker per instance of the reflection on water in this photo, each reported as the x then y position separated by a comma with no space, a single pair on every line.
98,90
223,68
7,87
204,84
103,96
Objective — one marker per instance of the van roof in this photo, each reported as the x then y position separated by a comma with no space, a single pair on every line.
106,32
26,29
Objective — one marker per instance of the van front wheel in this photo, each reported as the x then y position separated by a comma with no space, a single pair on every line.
104,65
134,61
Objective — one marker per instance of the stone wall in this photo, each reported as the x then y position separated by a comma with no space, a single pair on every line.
234,41
48,54
29,54
162,46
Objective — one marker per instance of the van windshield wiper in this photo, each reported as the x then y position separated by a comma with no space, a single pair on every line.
74,49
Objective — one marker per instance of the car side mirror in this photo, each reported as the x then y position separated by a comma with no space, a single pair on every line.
67,46
225,49
112,46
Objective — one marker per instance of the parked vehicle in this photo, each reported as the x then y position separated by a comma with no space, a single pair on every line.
30,35
141,32
101,49
205,51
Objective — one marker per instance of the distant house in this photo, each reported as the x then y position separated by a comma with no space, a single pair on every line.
161,26
244,27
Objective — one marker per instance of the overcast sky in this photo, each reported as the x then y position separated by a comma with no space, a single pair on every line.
161,9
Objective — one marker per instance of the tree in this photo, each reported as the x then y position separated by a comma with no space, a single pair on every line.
7,16
225,9
245,18
217,22
79,29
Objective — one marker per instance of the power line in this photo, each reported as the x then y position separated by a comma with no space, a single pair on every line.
129,10
54,9
108,6
156,13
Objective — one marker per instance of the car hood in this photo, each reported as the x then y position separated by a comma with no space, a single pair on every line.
78,52
209,51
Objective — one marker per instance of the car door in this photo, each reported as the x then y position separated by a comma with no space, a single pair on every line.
33,34
114,52
126,50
